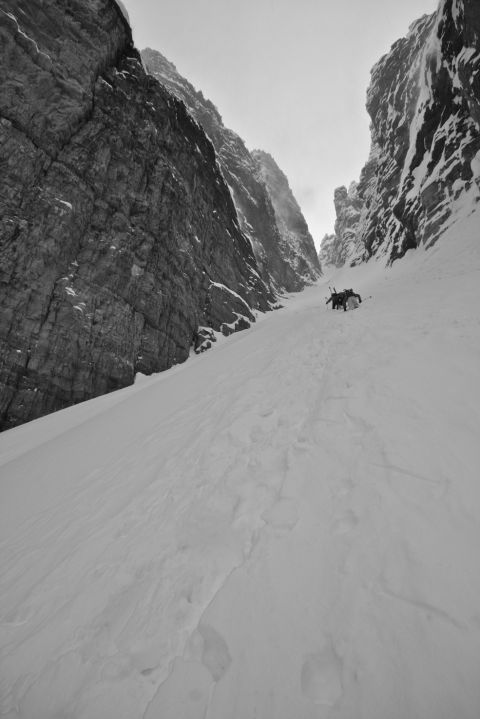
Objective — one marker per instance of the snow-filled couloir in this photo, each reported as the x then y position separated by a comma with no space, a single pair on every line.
286,526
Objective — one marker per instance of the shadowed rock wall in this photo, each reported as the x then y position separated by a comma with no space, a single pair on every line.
296,243
118,235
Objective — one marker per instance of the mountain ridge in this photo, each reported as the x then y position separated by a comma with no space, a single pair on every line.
252,197
424,167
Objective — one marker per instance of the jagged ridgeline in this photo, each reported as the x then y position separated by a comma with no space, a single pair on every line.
268,212
119,237
423,172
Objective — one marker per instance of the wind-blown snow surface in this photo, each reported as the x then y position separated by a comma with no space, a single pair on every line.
286,526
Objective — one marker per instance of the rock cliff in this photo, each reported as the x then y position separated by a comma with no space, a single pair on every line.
328,251
269,215
119,239
296,243
424,166
348,209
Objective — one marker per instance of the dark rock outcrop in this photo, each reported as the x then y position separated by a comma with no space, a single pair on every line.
296,242
342,247
282,247
424,167
118,235
327,253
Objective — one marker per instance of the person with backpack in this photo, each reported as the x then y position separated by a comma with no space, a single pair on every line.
351,299
346,298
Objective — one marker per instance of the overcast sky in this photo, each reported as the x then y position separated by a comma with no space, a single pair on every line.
289,76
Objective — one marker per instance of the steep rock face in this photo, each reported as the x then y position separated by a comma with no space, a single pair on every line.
327,253
348,209
118,234
297,245
424,167
275,243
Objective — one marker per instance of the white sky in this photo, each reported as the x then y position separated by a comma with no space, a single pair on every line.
289,77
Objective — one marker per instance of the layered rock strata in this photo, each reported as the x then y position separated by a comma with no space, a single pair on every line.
118,235
277,230
424,166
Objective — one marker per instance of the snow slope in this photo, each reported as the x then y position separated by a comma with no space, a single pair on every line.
286,526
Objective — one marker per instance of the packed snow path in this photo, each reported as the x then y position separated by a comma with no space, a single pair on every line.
285,527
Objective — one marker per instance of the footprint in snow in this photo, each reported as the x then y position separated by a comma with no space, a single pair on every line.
16,617
215,654
345,522
185,693
321,677
283,515
302,444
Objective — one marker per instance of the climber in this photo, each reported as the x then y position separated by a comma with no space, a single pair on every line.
343,299
336,298
351,299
